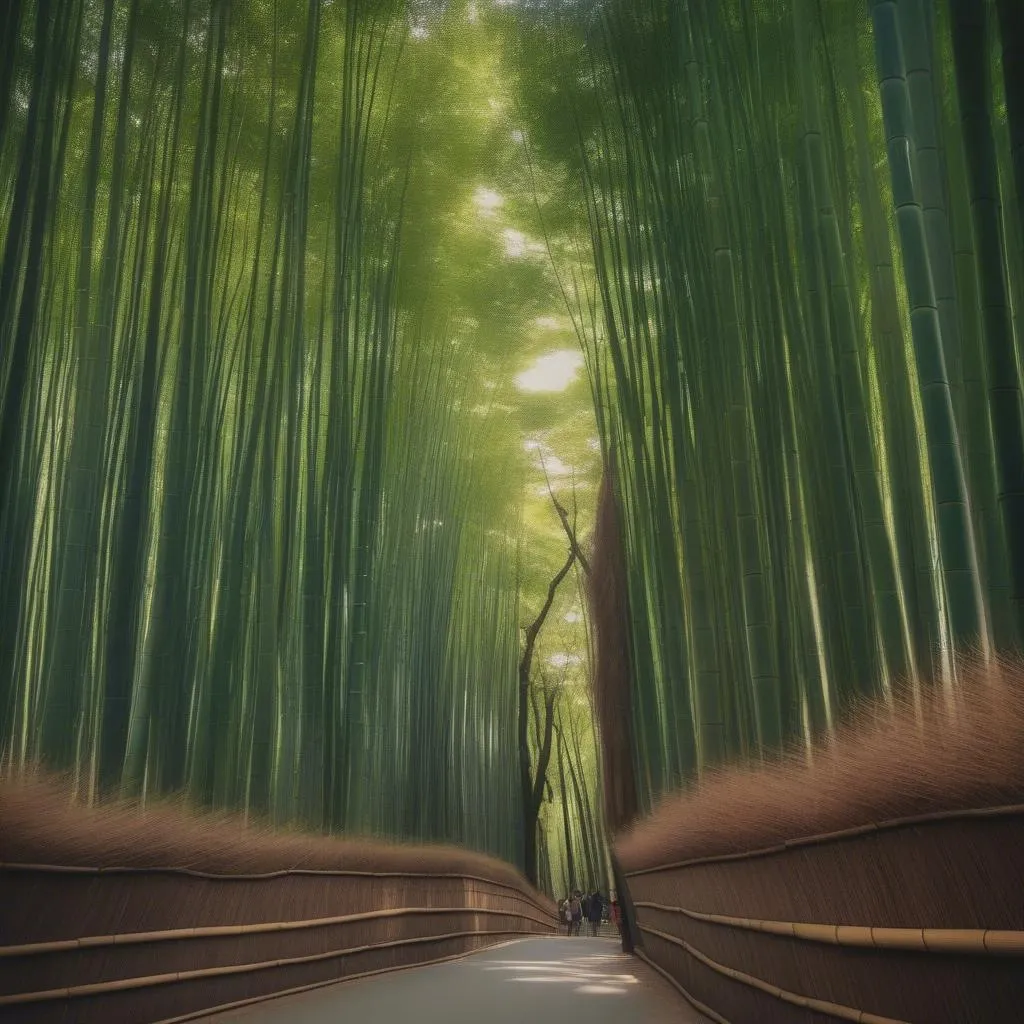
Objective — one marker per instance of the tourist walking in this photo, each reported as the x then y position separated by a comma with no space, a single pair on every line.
595,909
616,915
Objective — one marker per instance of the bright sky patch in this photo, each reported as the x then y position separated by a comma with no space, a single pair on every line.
552,372
487,202
563,660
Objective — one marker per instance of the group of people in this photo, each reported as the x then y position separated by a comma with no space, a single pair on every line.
578,907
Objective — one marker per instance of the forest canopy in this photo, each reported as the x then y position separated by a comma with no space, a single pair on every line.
321,322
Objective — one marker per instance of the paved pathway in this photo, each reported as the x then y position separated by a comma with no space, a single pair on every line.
530,981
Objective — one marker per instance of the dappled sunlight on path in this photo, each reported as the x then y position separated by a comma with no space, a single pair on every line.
588,973
533,980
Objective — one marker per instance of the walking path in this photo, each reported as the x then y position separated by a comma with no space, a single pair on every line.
530,981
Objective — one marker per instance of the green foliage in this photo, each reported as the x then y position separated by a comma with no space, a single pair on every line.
276,481
794,310
263,466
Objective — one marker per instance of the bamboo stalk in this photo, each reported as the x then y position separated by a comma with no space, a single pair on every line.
128,984
784,995
219,931
692,1000
239,1003
261,876
924,940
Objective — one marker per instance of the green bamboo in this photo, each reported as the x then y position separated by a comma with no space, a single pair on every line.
956,532
968,26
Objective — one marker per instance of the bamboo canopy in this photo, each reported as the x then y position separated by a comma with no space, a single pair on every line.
801,322
283,481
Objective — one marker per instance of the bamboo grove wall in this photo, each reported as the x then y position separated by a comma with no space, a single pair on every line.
803,336
865,886
234,456
103,921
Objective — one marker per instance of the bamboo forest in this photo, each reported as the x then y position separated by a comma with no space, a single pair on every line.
469,422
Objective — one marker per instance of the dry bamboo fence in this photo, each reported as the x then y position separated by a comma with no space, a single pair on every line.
109,916
905,904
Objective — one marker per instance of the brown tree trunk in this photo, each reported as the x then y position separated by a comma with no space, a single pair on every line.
609,601
532,783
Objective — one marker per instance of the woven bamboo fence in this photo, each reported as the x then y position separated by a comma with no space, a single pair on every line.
110,917
880,880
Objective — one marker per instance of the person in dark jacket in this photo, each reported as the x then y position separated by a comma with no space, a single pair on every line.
595,910
576,910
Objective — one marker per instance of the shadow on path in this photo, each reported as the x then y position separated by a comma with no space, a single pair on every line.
530,981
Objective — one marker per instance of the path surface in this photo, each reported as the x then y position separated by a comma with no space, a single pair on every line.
531,981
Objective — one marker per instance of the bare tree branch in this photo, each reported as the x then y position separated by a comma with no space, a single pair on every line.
570,529
532,783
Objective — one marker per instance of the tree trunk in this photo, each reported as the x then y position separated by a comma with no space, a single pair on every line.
532,784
